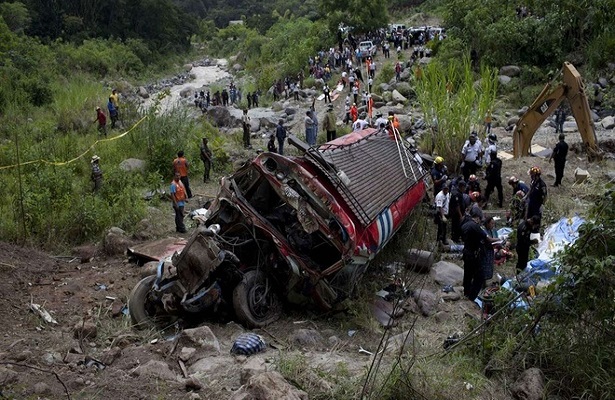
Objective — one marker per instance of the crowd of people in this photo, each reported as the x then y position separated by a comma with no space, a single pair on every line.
461,201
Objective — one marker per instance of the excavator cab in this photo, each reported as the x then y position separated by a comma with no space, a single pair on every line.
546,103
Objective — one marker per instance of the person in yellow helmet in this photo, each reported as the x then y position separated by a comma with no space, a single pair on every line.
439,174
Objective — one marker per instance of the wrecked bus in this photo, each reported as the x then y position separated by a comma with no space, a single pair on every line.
288,228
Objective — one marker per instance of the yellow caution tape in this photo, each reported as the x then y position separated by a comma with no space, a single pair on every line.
80,155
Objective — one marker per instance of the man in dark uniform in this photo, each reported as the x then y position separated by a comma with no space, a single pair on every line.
560,151
438,175
474,238
494,179
457,209
205,155
537,195
524,230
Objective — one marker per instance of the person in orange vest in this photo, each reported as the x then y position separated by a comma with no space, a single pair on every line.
354,112
370,106
393,119
178,195
181,166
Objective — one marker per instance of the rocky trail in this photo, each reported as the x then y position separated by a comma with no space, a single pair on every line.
91,351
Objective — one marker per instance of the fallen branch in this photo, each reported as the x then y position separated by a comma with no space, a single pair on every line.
47,371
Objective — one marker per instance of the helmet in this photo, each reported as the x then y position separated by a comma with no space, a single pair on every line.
535,170
492,137
439,160
95,158
513,179
472,178
475,196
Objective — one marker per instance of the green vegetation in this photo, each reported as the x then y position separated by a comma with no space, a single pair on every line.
449,94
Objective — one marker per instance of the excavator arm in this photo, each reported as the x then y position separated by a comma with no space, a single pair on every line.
547,102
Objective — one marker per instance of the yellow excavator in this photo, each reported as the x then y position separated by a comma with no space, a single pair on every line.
547,102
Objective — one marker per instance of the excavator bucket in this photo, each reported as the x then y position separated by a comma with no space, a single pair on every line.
547,102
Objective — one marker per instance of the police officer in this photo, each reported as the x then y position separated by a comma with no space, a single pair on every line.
560,151
494,178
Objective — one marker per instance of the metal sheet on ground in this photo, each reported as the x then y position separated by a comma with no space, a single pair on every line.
158,249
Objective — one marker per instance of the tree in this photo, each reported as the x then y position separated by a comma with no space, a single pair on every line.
16,16
362,15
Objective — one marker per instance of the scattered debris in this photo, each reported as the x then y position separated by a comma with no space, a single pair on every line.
38,309
247,344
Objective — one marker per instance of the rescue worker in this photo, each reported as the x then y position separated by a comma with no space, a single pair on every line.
474,238
471,152
394,120
178,195
537,194
524,230
494,179
517,209
438,175
206,157
491,147
474,205
517,185
381,122
181,166
442,201
473,184
97,175
457,209
559,153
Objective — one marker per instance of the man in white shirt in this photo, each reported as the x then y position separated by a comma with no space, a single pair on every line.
360,123
472,153
441,202
491,147
381,122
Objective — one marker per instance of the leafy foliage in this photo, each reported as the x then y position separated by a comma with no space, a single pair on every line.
552,31
448,94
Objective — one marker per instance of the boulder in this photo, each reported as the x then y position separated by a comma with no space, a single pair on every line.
405,123
384,87
405,74
398,97
255,124
570,126
269,385
529,386
595,117
419,260
252,367
186,92
510,70
603,82
155,369
290,111
220,116
142,92
522,110
608,123
426,301
306,337
85,330
404,88
447,273
116,242
201,338
132,164
237,67
188,67
512,121
504,80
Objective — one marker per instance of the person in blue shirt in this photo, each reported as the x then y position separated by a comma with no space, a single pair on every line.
113,114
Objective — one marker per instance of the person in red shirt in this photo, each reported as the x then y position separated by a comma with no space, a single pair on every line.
181,166
101,118
354,112
178,195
